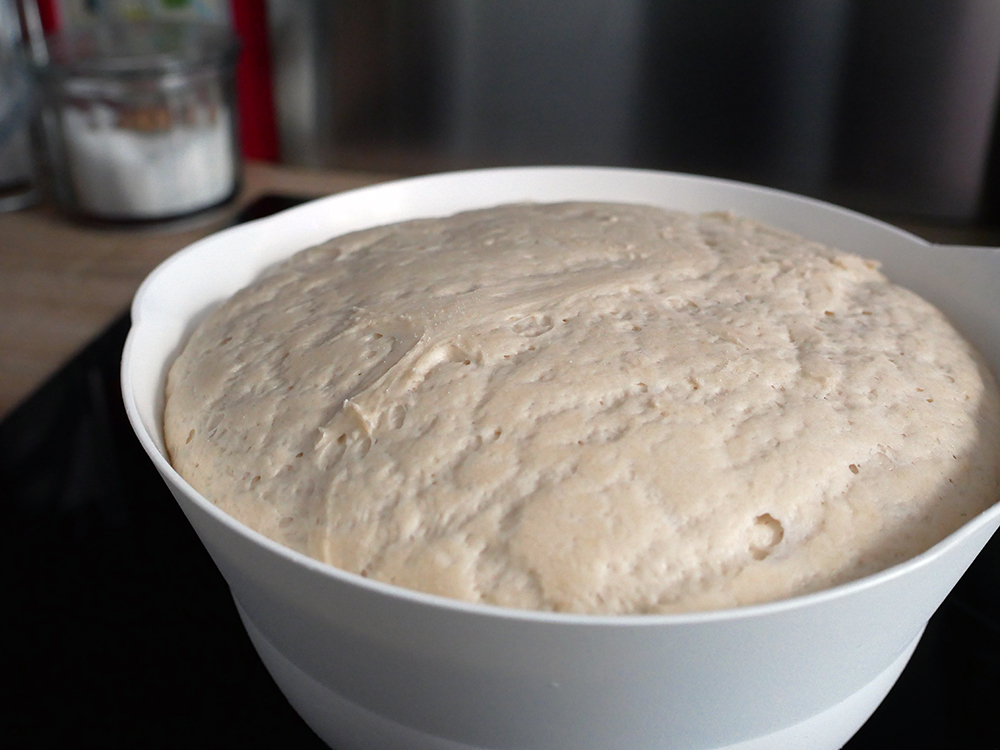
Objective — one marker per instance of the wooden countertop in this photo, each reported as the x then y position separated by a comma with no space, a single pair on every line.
62,283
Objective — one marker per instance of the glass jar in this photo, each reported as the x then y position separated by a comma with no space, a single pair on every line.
17,174
139,120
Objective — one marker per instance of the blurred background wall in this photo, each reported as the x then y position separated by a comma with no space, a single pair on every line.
888,106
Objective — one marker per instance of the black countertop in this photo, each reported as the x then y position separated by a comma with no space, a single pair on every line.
118,630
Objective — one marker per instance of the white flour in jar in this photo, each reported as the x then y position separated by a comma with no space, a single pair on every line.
121,172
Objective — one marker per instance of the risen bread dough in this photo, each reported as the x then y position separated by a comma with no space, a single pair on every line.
580,407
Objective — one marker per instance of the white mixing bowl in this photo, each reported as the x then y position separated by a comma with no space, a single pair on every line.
369,665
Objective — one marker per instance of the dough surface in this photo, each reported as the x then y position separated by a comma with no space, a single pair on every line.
587,407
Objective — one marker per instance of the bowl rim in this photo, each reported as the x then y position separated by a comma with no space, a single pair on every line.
972,527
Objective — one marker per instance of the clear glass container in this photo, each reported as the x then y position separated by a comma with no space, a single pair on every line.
139,120
17,174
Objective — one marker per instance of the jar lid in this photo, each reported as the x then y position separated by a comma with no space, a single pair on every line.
138,49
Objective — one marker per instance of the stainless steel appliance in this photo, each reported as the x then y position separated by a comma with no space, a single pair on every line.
888,107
